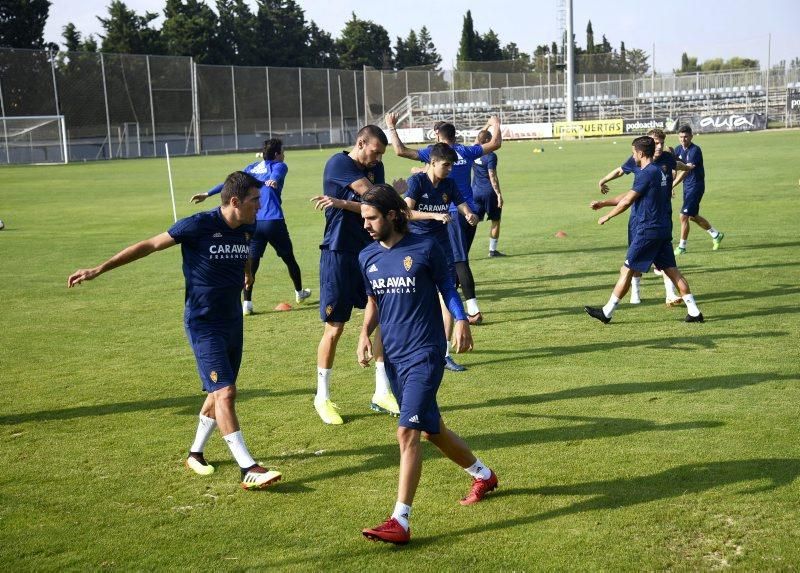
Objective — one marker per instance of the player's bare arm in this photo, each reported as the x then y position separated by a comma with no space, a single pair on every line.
399,147
622,206
471,217
462,337
415,215
603,183
364,350
125,256
495,181
322,202
497,136
199,198
596,205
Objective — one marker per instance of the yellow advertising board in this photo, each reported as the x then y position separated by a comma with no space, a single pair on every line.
590,128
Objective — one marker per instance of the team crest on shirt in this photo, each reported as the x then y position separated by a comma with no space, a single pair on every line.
445,198
407,262
213,376
371,176
247,237
328,310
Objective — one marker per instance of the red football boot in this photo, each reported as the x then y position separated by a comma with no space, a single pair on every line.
389,531
480,487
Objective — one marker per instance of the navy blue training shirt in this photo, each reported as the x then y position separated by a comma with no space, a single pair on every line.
651,214
432,199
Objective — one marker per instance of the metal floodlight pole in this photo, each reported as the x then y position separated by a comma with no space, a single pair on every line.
653,84
355,97
366,107
769,63
269,104
570,65
5,126
105,97
383,98
235,115
195,108
330,108
300,83
55,93
152,109
341,107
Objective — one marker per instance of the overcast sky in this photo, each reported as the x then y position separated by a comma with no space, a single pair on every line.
705,29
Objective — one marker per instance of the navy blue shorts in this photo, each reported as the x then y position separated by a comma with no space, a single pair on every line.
341,285
274,233
218,353
486,206
457,240
415,382
645,252
691,202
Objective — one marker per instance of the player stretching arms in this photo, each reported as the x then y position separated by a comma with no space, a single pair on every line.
428,196
404,273
662,157
650,231
270,223
486,192
461,235
694,186
214,246
347,176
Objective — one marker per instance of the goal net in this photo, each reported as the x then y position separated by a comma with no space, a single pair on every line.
33,139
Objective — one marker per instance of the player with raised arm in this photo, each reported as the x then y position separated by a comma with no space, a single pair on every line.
214,247
403,273
486,191
347,176
461,235
650,201
694,186
428,196
270,223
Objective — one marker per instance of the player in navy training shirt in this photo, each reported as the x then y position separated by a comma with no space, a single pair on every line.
663,157
270,223
461,235
694,186
429,196
486,192
347,176
214,245
650,231
403,274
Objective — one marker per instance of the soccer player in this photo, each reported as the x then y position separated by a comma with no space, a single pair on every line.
403,273
694,185
486,192
428,196
214,246
663,157
650,231
461,235
347,176
270,223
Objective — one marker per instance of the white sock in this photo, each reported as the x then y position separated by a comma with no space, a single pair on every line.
323,383
381,380
235,442
472,306
298,292
635,287
478,470
691,305
612,303
713,232
669,287
493,244
402,513
682,244
205,427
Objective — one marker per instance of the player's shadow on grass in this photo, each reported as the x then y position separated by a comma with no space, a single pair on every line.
572,428
186,404
684,342
541,290
684,386
737,247
721,296
754,476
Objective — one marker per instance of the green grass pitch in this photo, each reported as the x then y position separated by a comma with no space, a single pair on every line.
644,444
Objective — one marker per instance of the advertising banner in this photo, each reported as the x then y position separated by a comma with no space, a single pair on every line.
590,128
643,125
793,101
408,135
730,122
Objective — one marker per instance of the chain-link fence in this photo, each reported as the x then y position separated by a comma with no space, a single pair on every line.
118,105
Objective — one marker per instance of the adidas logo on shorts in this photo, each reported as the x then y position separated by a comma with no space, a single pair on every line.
413,419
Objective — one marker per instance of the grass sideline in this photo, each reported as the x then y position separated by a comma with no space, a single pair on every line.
645,444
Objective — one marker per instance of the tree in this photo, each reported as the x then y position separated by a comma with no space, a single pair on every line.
489,47
73,42
407,52
190,29
282,33
428,54
128,33
589,39
321,52
468,49
637,61
237,40
364,43
22,23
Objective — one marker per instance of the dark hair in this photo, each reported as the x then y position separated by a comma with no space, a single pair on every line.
442,151
645,144
685,129
484,136
272,147
657,133
447,131
238,184
384,198
438,124
370,131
